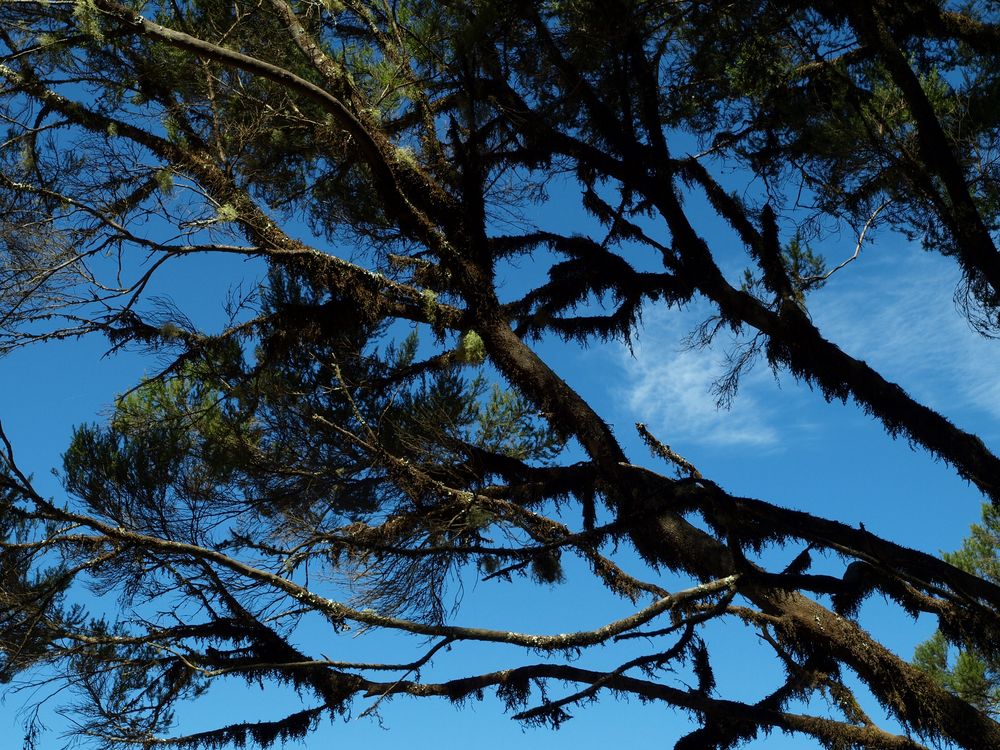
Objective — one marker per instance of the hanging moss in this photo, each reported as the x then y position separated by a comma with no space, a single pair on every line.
227,213
88,17
164,181
471,350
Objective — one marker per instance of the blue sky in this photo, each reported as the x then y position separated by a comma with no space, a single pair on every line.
780,441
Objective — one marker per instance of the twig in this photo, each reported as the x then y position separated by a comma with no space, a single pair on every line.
813,280
666,452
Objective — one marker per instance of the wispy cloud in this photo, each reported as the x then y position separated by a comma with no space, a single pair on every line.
899,315
895,311
669,384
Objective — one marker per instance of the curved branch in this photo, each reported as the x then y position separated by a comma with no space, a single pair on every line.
826,729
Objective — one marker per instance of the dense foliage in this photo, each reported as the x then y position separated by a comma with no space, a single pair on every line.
964,670
375,421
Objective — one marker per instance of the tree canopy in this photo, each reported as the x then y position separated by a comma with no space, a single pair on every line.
378,417
971,673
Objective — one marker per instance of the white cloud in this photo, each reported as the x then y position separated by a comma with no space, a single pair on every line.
899,315
670,386
894,310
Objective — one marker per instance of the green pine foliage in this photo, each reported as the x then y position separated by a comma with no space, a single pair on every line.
962,668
